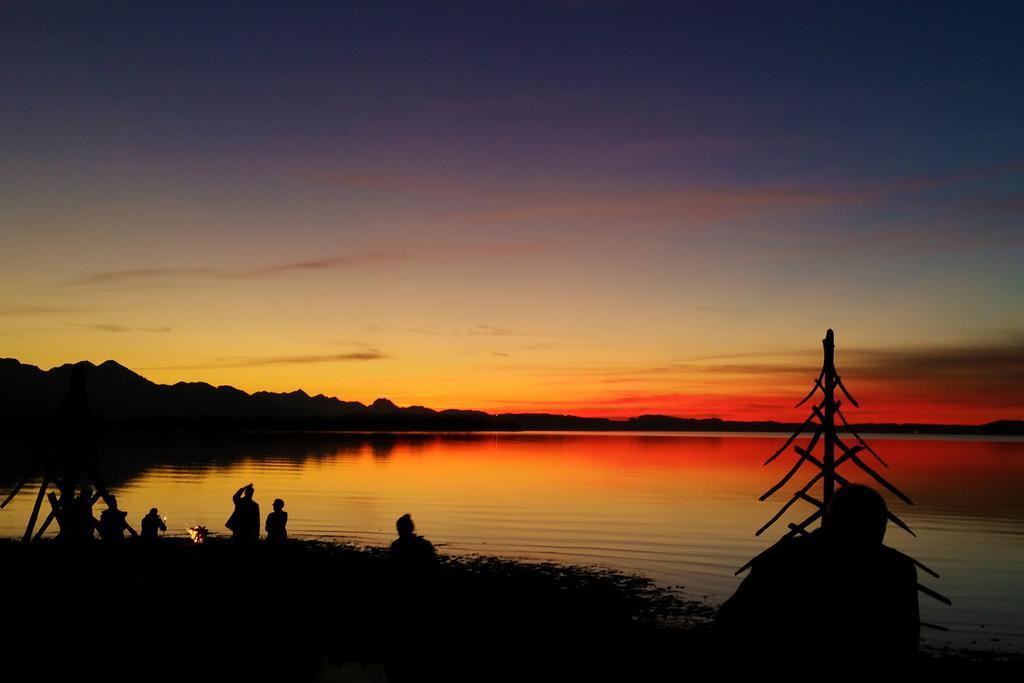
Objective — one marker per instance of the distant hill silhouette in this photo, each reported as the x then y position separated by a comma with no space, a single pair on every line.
28,393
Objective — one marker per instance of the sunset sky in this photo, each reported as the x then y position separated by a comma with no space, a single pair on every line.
594,207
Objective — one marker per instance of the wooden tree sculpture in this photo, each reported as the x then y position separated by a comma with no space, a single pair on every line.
70,454
821,425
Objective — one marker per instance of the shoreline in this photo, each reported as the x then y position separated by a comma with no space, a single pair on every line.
337,604
272,426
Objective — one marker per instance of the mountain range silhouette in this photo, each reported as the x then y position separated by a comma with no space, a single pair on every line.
120,395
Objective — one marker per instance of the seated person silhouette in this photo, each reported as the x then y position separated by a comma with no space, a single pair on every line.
835,595
113,522
276,523
412,626
411,552
152,525
244,522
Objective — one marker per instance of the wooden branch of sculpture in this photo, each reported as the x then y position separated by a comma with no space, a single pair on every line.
842,387
852,454
792,438
857,436
817,385
934,594
789,503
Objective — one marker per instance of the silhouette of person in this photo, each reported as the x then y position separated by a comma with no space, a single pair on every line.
413,606
152,525
245,520
113,522
837,593
411,552
76,522
276,523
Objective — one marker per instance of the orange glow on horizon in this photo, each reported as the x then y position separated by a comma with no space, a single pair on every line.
411,366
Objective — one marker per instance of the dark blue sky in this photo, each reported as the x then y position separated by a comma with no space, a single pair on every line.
888,88
647,179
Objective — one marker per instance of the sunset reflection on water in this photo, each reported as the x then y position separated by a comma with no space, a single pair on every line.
680,508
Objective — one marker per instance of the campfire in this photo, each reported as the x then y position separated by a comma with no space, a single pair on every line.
198,534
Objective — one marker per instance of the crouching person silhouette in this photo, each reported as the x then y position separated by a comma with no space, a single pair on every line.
152,525
114,522
277,524
836,595
410,553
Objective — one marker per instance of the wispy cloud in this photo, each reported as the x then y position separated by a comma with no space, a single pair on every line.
959,176
995,361
697,204
372,257
111,327
558,339
250,362
482,330
370,354
491,331
337,262
996,365
143,274
711,203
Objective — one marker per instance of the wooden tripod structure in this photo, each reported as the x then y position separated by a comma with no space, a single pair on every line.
821,425
70,454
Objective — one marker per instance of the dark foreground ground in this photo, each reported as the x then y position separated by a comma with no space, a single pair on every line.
313,611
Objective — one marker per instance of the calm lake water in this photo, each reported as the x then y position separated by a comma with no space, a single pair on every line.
680,508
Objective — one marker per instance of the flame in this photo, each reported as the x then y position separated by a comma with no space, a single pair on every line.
198,534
